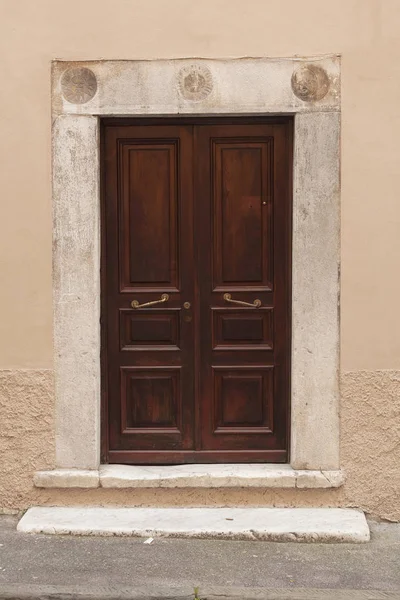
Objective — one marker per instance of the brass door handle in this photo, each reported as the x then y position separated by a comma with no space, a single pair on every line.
135,303
255,304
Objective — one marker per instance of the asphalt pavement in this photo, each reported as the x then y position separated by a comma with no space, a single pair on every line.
50,567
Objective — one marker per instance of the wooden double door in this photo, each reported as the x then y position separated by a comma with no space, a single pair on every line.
196,246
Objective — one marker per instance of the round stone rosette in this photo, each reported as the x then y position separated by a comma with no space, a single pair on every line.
78,85
310,83
195,82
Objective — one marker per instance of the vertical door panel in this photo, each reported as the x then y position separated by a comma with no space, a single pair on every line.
148,252
243,184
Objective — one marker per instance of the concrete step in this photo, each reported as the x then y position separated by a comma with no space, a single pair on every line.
267,524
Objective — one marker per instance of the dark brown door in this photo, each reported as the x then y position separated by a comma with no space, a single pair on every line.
197,226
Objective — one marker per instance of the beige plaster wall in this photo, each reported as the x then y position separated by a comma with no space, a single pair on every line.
366,33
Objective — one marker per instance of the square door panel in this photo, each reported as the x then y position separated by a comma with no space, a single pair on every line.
151,399
149,329
242,329
243,399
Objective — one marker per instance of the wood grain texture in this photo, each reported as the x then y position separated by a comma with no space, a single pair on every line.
148,366
196,208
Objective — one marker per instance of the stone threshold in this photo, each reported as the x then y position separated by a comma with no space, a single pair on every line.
266,524
190,476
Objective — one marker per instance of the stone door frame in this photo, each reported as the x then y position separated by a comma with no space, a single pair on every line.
82,93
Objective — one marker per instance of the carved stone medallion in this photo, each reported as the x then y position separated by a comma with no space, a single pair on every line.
78,85
195,82
310,82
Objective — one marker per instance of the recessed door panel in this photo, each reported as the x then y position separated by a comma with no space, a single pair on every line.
149,215
151,399
242,329
242,208
150,329
243,400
